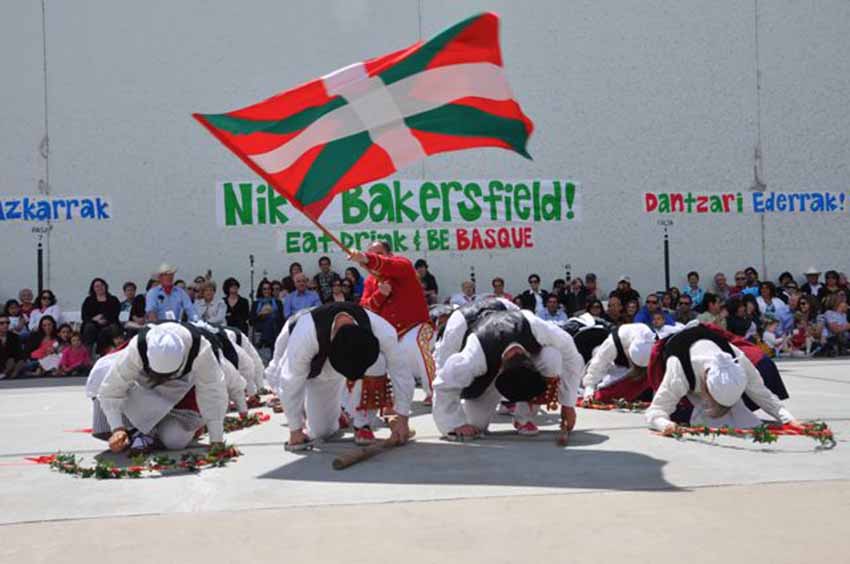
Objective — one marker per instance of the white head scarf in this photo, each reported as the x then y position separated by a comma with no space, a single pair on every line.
166,350
640,348
726,380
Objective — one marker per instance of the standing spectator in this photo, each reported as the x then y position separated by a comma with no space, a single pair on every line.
713,311
353,275
498,285
590,288
166,301
614,313
467,294
837,329
238,308
684,313
75,360
289,281
625,292
46,306
267,316
630,311
721,288
429,283
575,298
11,349
19,323
100,310
25,297
693,290
740,285
553,311
301,298
651,307
534,298
812,285
769,304
559,288
208,308
325,279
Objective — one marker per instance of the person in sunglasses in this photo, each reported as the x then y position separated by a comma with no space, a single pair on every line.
165,385
46,305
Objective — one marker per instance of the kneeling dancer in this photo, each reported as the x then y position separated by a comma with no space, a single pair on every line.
333,343
616,367
510,354
713,375
452,335
163,387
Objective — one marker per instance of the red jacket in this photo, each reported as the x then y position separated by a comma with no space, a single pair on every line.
405,307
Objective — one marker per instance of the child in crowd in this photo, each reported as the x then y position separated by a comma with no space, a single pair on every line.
658,321
777,345
18,320
63,337
76,360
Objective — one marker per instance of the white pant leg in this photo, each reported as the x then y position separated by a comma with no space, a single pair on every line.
524,412
416,356
175,433
322,404
479,411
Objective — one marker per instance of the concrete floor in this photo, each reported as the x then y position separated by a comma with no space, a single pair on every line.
503,494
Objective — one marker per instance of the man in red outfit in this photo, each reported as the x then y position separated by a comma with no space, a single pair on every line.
394,292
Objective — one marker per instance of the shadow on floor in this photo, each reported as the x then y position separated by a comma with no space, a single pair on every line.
493,461
42,382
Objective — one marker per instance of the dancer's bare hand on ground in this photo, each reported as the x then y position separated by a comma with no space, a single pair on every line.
400,430
568,418
119,440
670,430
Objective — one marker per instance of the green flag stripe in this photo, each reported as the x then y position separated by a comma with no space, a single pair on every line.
466,121
419,60
334,160
291,124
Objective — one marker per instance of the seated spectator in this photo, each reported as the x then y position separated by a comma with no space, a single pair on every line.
238,310
659,320
325,278
534,298
289,281
498,285
210,309
166,301
625,292
553,311
63,337
277,290
18,321
100,310
631,311
721,288
652,306
769,304
753,311
46,306
111,341
575,297
752,277
830,287
614,314
129,290
356,279
11,349
693,290
300,298
75,360
595,309
42,351
837,328
559,287
812,285
190,290
667,303
466,295
590,289
806,339
25,297
714,310
348,291
739,321
267,316
429,283
684,312
674,299
338,292
842,281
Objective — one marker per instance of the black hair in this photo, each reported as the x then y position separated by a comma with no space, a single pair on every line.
533,276
785,274
519,379
693,273
129,284
10,303
229,283
357,275
353,350
102,281
52,297
324,258
420,262
293,265
709,298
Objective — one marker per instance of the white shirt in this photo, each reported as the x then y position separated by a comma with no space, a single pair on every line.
460,369
214,313
675,386
302,346
211,385
602,362
462,299
36,315
455,330
256,361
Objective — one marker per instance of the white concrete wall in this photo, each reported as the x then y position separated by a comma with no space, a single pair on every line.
626,97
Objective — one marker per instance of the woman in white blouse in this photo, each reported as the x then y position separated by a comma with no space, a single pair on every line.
46,306
208,308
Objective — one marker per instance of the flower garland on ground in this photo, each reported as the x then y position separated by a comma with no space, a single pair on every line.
817,430
140,465
232,423
622,404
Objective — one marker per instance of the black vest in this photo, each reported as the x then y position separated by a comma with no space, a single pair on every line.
323,318
679,346
142,346
588,338
621,360
237,333
221,344
495,332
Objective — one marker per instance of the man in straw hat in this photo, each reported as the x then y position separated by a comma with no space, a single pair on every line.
167,302
812,285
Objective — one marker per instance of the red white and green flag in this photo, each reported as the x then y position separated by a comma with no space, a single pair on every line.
367,120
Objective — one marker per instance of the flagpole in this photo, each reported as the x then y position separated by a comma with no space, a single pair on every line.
327,232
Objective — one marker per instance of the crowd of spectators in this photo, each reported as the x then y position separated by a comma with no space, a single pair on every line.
784,317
